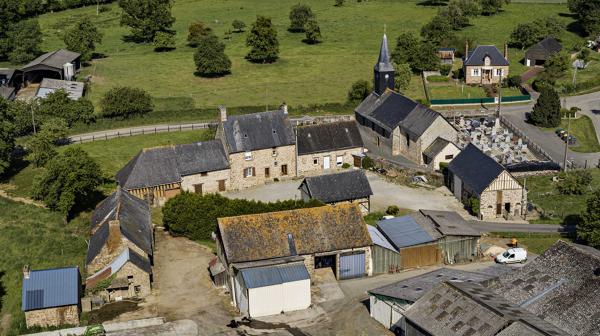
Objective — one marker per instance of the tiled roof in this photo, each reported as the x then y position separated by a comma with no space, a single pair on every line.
255,131
475,169
338,187
50,288
303,231
477,56
328,137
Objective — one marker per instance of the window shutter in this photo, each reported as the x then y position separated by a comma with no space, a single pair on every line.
253,171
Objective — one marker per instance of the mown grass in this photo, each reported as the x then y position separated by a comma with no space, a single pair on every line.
583,129
304,74
558,208
39,238
535,243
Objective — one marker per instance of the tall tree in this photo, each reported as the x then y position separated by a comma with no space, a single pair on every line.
428,59
210,58
406,49
299,16
437,30
555,67
196,32
589,228
525,35
455,15
82,38
546,112
69,179
402,76
313,31
588,14
26,37
263,41
146,17
7,135
9,14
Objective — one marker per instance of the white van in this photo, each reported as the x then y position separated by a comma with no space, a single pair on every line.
512,255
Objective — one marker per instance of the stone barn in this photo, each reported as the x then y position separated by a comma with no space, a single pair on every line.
473,174
50,297
345,187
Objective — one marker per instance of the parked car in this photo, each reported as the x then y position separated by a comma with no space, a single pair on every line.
512,255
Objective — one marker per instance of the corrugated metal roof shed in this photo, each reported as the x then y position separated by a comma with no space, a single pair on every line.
50,288
404,231
379,239
274,275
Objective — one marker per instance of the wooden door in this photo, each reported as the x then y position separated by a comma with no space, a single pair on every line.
221,185
267,172
284,170
326,162
419,256
357,161
499,202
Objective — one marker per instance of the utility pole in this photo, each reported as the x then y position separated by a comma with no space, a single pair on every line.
568,135
33,116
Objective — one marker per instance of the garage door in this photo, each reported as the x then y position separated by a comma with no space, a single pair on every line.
352,265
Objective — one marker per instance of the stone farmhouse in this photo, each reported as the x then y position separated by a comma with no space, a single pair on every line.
121,246
345,187
261,147
395,124
473,174
277,253
325,147
50,297
485,65
540,52
157,174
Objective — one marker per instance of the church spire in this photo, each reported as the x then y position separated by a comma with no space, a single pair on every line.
384,69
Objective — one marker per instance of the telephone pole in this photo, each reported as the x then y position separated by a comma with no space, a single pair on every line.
568,135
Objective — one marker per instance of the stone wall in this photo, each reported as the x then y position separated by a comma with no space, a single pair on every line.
309,260
470,79
487,203
139,278
209,181
66,315
114,246
262,159
450,149
308,167
375,141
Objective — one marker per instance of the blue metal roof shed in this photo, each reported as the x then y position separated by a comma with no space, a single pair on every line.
50,288
404,232
274,275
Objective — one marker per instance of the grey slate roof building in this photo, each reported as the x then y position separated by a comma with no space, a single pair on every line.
477,57
163,165
476,169
462,308
50,288
541,51
338,187
250,132
328,137
49,85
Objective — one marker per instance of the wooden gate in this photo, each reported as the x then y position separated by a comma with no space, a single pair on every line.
418,256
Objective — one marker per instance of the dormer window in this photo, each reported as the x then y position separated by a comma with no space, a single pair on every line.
487,61
247,156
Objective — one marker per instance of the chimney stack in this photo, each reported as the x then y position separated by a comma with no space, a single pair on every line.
506,50
466,50
223,112
284,108
26,272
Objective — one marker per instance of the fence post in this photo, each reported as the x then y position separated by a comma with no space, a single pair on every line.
105,136
118,134
130,132
179,127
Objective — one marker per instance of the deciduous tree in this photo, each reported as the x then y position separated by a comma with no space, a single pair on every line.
299,16
588,14
58,105
262,40
428,58
402,76
439,29
164,41
406,49
238,26
313,31
82,38
210,58
574,182
491,7
455,15
25,38
197,31
146,17
7,135
589,228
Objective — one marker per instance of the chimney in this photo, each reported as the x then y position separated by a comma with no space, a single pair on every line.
284,108
506,50
114,235
223,112
466,50
26,272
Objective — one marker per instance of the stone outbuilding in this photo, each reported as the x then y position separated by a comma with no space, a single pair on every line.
440,151
345,187
50,297
540,52
328,146
261,147
473,174
393,124
121,246
485,65
157,174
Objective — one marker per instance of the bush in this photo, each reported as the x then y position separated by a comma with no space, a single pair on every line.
195,216
339,3
574,182
457,73
238,26
514,81
164,41
472,205
438,79
367,163
346,165
445,69
359,91
58,105
198,30
490,90
392,210
125,102
299,16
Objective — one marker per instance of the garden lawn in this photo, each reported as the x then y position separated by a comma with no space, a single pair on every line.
559,209
304,74
39,238
583,129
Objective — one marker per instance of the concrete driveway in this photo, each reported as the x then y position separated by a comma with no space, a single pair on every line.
384,194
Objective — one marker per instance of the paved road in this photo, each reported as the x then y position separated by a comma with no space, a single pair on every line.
485,227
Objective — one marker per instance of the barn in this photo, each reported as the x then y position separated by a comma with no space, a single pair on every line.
540,52
58,64
346,187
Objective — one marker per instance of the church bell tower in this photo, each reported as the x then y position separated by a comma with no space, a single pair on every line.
384,69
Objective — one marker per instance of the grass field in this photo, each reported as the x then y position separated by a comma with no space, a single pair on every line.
36,237
454,90
591,72
305,74
559,209
583,129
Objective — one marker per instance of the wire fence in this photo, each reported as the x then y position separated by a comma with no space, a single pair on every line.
107,135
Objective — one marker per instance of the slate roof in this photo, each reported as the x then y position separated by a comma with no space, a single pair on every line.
48,85
449,223
562,285
393,109
406,231
414,288
463,308
255,131
278,234
475,168
134,220
162,165
436,147
477,56
328,137
274,275
338,187
543,49
384,63
54,59
49,288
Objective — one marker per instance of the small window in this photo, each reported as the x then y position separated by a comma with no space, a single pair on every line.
267,172
284,169
274,152
339,161
475,72
248,156
137,289
198,188
316,161
248,171
498,72
449,157
204,174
